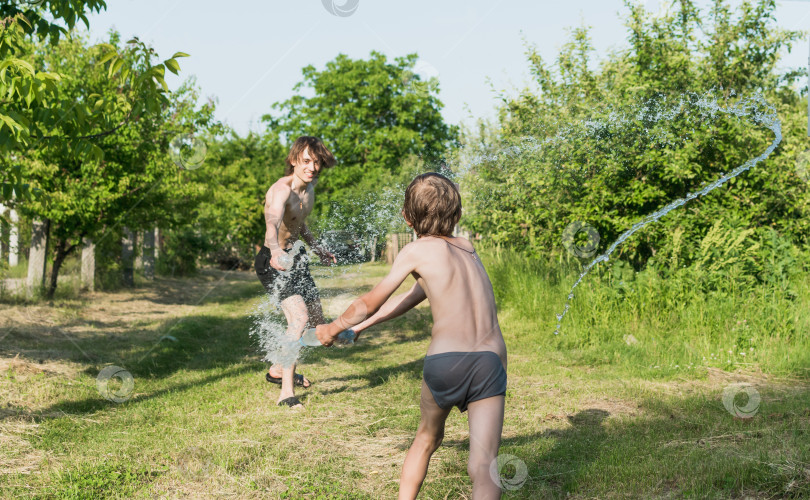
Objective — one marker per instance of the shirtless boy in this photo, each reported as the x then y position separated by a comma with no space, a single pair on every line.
465,365
287,204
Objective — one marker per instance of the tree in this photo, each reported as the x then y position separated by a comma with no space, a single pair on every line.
125,178
372,114
36,112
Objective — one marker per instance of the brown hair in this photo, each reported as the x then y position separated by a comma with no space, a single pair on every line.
432,205
323,156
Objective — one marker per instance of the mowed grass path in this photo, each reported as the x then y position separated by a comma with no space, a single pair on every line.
202,422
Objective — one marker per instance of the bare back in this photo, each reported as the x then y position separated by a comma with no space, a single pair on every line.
461,298
450,275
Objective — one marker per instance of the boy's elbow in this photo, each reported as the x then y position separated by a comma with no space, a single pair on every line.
367,308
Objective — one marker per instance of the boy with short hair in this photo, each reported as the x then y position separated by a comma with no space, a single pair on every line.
287,204
465,365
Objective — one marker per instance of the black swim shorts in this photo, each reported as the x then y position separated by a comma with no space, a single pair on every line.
298,281
459,378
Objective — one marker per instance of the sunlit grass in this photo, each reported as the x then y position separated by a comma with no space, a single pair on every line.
589,414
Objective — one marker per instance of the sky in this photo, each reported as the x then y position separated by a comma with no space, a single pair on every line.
248,54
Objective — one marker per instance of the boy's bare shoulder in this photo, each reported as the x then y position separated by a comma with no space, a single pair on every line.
463,243
428,241
424,249
421,245
281,187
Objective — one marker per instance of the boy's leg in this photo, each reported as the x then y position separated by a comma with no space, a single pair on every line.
485,418
315,313
296,313
315,318
428,438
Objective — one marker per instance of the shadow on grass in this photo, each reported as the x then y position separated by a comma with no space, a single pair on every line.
377,377
210,287
94,404
567,454
199,342
680,447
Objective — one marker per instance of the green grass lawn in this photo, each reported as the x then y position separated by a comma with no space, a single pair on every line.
202,422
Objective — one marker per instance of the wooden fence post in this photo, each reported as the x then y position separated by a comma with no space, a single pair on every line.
393,248
149,254
127,251
14,240
88,265
37,255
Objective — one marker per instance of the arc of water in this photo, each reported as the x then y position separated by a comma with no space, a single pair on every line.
741,109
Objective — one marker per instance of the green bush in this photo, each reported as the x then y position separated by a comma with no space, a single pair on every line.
612,143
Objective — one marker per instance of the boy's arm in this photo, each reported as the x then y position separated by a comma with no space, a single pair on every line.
326,257
394,307
274,203
368,304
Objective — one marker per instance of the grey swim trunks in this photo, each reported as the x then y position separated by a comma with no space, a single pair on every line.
459,378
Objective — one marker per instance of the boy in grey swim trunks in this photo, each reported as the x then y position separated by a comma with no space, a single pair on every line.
465,365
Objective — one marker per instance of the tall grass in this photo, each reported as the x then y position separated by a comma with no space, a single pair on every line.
644,321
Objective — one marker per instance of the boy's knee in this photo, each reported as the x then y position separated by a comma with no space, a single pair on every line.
298,319
478,467
299,322
430,441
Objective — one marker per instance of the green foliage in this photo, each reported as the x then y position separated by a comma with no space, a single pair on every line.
237,174
380,120
611,145
690,316
181,250
729,251
371,115
40,107
119,176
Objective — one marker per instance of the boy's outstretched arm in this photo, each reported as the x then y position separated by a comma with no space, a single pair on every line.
327,258
394,307
368,304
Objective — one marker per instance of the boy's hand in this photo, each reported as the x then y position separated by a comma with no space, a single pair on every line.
322,331
327,257
274,260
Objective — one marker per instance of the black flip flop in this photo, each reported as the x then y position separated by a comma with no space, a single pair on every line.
298,379
290,401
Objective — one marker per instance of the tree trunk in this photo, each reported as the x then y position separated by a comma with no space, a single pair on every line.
149,254
57,265
127,252
62,251
88,264
36,257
